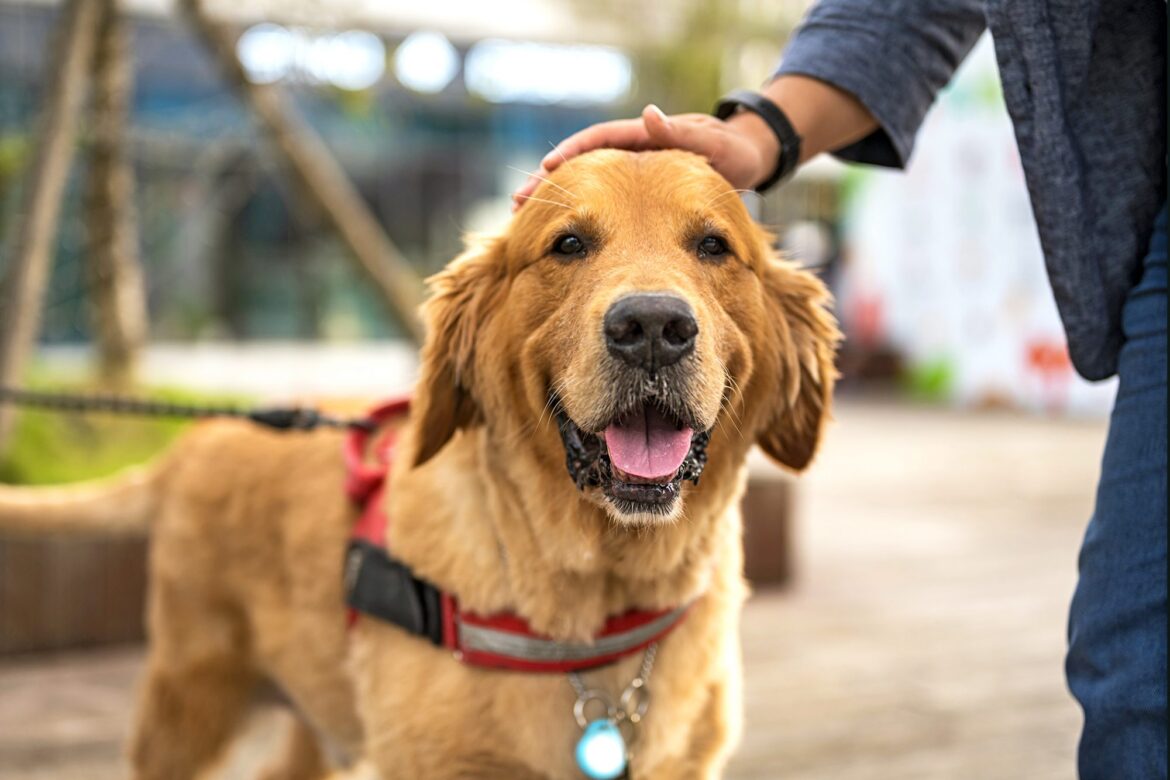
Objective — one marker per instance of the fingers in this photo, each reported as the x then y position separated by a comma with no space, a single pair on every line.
618,134
697,133
692,132
657,123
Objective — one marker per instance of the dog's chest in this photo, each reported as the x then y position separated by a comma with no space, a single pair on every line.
427,711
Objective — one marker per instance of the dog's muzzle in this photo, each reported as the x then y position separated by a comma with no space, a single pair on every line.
589,465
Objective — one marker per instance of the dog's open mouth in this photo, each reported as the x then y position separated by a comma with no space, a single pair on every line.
639,460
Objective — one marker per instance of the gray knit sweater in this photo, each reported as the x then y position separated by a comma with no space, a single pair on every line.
1085,84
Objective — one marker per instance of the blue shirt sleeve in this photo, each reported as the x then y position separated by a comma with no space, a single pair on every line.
893,55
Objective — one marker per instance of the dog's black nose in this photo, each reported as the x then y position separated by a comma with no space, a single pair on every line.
650,330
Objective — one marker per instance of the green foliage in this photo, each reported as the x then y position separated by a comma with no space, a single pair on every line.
356,105
931,380
14,153
852,183
689,69
53,447
686,75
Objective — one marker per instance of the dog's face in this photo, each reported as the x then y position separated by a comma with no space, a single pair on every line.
632,322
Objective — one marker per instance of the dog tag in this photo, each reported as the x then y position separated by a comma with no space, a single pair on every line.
601,751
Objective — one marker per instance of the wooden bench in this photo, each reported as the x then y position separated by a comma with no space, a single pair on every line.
81,591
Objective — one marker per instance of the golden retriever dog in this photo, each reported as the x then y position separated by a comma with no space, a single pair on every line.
632,323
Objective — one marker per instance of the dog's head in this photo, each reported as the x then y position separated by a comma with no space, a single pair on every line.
634,321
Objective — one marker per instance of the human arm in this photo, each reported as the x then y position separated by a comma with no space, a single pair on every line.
856,79
742,147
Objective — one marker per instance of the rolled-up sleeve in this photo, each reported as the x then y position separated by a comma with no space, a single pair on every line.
893,56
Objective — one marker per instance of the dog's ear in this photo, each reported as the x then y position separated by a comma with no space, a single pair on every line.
807,337
462,296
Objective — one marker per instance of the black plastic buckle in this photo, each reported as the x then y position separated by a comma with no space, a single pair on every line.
380,586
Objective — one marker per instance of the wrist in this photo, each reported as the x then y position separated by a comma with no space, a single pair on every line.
786,144
753,129
825,116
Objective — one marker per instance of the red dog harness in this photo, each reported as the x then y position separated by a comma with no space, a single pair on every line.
380,586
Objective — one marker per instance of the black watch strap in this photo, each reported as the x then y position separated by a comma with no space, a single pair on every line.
776,120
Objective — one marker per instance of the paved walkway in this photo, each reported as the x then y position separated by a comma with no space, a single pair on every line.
922,641
925,637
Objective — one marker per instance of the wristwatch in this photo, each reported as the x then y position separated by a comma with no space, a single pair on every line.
776,121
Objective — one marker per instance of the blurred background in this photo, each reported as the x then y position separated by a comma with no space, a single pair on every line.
213,193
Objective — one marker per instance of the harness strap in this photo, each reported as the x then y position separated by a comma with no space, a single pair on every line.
379,585
505,641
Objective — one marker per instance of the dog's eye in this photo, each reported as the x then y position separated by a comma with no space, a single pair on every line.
569,245
712,246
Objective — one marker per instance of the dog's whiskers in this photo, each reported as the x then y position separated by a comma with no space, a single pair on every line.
552,405
730,381
557,149
721,196
552,202
546,180
733,418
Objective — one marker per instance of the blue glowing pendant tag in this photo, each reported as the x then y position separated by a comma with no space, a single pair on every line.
601,751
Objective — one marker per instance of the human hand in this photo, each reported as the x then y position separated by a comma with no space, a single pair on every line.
742,148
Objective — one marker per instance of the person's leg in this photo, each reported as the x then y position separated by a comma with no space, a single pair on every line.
1116,661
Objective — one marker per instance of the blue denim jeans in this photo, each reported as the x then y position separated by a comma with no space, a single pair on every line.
1116,661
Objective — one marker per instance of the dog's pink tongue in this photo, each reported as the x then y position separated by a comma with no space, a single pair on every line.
647,445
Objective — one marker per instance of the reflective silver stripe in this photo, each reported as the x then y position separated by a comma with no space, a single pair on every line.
530,648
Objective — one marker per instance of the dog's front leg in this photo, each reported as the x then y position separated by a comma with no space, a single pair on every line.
713,735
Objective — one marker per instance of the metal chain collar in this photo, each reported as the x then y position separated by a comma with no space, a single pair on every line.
631,705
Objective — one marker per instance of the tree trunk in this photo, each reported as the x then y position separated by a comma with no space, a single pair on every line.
64,93
116,287
321,179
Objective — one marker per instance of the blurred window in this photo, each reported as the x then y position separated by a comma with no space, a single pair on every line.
509,71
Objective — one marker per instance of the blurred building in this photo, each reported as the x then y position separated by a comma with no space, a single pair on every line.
434,110
229,249
942,263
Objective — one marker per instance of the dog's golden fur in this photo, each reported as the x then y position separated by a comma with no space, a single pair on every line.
249,526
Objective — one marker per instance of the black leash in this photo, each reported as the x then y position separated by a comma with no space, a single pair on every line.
283,419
